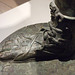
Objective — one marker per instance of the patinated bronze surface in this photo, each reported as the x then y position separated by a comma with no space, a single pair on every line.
66,7
51,38
51,45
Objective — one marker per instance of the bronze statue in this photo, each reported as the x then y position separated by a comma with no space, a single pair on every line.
55,38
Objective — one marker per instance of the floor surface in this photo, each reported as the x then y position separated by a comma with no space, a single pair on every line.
6,5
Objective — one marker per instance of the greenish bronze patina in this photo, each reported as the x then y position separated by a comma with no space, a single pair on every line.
46,43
